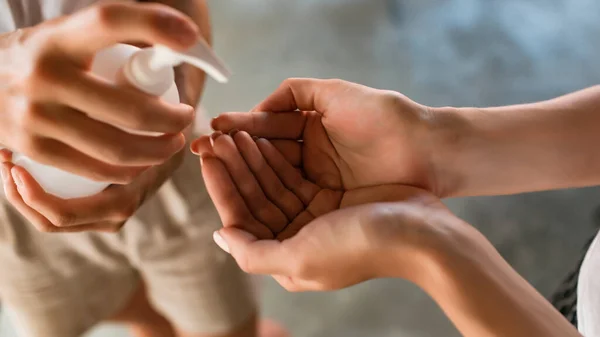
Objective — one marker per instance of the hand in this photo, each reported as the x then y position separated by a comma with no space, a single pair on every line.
352,136
324,240
106,211
54,111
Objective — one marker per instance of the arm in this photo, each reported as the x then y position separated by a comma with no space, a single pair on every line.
521,148
482,295
414,237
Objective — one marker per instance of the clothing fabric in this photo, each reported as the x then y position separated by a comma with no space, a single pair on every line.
588,292
564,298
60,285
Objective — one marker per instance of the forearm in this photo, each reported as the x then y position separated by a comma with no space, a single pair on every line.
484,297
521,148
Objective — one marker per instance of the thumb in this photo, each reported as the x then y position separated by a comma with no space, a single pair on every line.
228,237
252,255
295,94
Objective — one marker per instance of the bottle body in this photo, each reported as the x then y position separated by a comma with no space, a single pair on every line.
107,64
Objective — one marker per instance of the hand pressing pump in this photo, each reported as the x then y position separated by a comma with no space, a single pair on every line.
149,70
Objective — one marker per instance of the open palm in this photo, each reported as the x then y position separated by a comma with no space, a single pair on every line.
346,135
256,188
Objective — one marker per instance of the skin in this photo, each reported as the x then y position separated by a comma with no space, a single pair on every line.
57,55
383,216
55,129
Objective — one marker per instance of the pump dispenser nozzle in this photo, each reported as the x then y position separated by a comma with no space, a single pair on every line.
151,69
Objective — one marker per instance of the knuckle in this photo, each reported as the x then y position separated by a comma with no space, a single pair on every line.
300,268
289,82
30,117
334,82
137,118
63,219
244,263
127,177
181,123
115,228
29,145
46,228
118,155
106,15
42,72
125,212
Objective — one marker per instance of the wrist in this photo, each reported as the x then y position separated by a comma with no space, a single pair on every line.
447,135
418,237
466,274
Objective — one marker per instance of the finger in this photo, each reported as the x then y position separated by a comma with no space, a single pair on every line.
13,196
295,226
100,26
305,94
255,256
202,145
105,142
125,107
104,207
290,149
258,204
56,154
292,180
229,203
5,155
268,180
297,285
288,125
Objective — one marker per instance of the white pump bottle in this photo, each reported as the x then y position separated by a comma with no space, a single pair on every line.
149,70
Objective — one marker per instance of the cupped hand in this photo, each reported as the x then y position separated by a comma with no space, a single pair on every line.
308,234
55,111
348,135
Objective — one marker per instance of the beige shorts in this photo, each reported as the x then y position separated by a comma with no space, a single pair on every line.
60,285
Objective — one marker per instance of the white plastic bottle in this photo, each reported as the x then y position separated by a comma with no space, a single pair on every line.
150,70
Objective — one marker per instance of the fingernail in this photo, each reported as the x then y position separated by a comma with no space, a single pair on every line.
220,241
214,136
17,178
194,147
179,28
233,132
254,138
